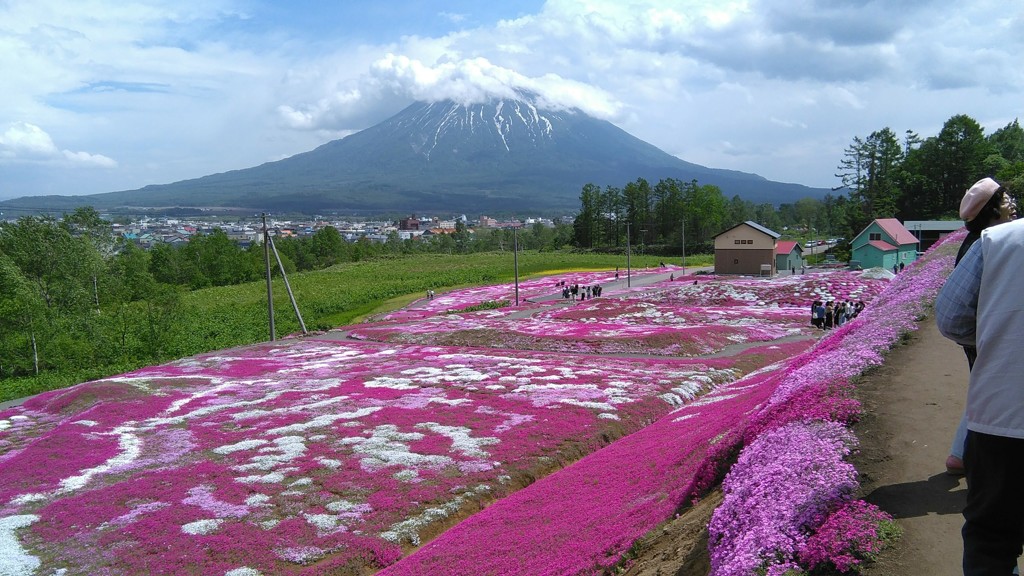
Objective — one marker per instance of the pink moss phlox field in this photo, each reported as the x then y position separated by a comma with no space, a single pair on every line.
784,484
278,456
311,456
547,286
847,538
581,519
788,291
812,404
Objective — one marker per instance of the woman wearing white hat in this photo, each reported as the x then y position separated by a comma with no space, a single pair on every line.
984,205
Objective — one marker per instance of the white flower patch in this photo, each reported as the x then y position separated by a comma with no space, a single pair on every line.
300,554
136,512
323,421
88,423
712,398
671,399
5,424
302,482
406,476
461,441
324,523
511,419
289,448
243,445
329,463
683,417
14,560
211,392
201,527
272,478
592,405
131,448
243,571
390,382
202,496
608,416
258,500
386,446
346,506
23,499
409,529
19,417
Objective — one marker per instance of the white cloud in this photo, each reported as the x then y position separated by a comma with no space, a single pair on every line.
27,142
178,89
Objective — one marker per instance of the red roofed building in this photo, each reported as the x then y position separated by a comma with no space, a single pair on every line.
789,255
885,243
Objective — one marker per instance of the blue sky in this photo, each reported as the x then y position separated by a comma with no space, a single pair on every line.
101,96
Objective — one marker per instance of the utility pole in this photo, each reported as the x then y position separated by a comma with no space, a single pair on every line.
515,259
266,263
683,244
627,256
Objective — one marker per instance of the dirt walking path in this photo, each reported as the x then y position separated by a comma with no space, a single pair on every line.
912,405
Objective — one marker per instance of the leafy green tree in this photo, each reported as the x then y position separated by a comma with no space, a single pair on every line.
327,248
943,167
21,310
461,237
586,224
871,170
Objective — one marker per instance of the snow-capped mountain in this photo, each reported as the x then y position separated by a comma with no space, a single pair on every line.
507,155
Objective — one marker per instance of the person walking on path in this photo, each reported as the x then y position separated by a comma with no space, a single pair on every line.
980,306
985,204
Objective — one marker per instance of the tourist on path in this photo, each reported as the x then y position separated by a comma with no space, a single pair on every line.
980,306
985,204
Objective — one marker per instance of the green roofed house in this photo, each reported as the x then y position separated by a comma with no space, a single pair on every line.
885,243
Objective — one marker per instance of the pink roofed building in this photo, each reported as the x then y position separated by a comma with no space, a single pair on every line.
884,243
789,255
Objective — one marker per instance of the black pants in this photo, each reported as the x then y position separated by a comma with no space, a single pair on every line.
994,515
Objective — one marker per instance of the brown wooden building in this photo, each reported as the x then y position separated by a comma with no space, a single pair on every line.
746,248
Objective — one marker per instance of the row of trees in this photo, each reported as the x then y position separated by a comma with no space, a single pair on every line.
882,176
661,217
924,178
72,296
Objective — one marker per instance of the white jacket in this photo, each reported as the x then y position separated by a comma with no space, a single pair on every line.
995,399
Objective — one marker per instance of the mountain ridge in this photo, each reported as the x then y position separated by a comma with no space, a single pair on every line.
506,155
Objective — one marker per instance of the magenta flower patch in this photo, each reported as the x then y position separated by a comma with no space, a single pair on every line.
317,456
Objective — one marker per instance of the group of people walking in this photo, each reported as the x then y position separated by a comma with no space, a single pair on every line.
834,314
576,292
